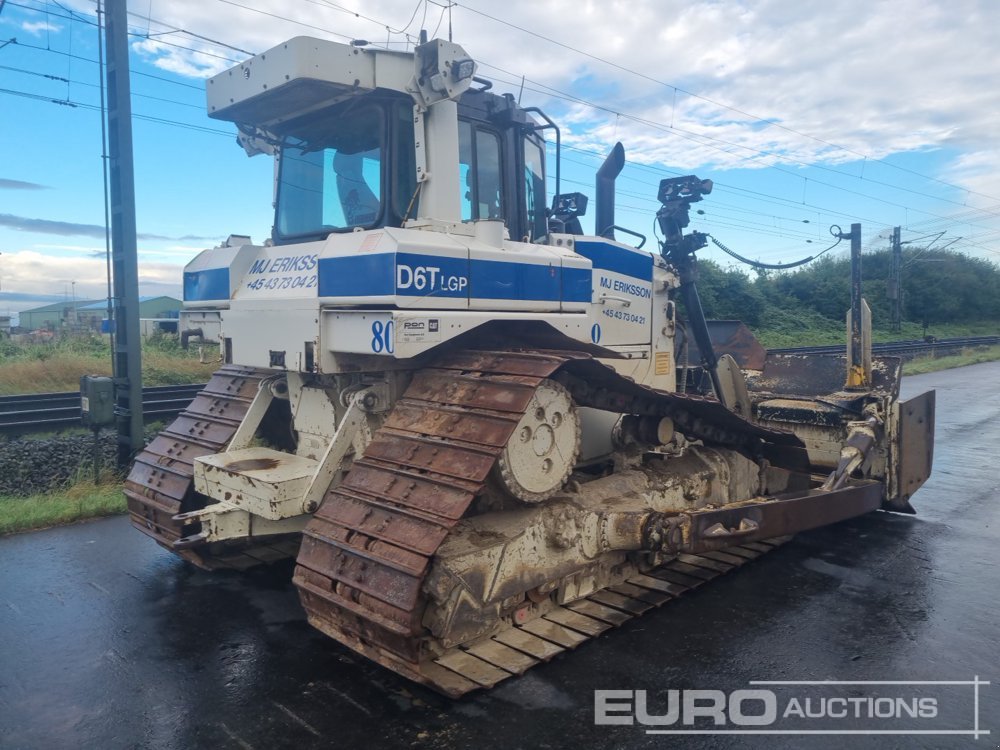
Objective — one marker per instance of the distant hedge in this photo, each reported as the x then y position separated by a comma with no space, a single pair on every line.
939,286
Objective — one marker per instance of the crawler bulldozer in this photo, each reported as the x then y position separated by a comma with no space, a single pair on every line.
475,428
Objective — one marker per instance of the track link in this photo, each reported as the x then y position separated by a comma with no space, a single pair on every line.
161,481
484,663
366,552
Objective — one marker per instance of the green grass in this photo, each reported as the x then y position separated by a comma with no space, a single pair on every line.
783,329
84,499
920,365
57,365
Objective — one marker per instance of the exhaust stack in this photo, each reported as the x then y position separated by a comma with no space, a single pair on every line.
604,217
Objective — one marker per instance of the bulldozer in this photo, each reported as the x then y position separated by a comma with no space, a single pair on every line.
473,426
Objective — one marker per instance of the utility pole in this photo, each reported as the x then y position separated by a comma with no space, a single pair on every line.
894,286
124,260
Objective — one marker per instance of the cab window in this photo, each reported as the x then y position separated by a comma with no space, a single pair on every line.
480,186
534,188
330,173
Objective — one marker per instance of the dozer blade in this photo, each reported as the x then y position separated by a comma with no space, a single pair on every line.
914,449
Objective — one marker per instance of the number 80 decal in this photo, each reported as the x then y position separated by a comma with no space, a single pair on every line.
382,335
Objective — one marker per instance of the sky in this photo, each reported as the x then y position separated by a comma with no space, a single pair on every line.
804,113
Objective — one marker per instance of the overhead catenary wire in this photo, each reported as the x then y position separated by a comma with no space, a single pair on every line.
767,122
775,199
82,19
764,197
96,108
688,135
719,104
153,76
326,3
559,94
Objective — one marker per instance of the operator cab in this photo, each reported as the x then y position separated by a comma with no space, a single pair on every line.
352,166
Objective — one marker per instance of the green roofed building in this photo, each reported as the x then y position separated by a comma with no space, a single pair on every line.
50,317
88,313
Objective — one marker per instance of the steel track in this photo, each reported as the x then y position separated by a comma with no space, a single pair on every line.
902,348
161,482
367,551
512,652
38,412
24,414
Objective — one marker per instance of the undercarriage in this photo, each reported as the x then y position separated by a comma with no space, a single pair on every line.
461,538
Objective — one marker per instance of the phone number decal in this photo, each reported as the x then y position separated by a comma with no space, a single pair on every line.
626,317
283,282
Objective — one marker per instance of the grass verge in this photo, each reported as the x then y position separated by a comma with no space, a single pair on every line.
56,366
921,365
809,329
84,499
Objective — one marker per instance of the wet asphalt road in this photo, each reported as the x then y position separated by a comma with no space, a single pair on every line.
107,641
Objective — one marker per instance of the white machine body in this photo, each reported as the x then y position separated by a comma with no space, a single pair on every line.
357,308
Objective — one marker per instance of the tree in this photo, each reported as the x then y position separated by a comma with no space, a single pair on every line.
939,286
728,294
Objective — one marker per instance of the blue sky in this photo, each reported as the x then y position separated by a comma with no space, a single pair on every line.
804,116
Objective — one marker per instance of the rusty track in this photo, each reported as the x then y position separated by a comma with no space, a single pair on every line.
511,652
161,485
367,550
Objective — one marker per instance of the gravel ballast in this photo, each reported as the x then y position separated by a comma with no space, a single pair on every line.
30,466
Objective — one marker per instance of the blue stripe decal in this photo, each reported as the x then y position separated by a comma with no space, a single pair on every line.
357,275
431,276
416,275
609,257
493,279
577,285
210,284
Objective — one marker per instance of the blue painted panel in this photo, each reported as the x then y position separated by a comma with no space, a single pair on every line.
577,285
617,259
357,275
210,284
493,279
431,276
419,275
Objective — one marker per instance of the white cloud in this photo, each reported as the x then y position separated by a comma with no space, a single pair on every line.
182,61
805,81
31,272
37,28
978,171
876,78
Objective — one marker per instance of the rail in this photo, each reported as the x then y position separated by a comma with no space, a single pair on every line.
911,348
40,412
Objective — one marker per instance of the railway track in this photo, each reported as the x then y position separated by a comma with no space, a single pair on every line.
902,348
39,412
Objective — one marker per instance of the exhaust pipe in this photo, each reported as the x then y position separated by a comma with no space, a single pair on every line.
604,217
